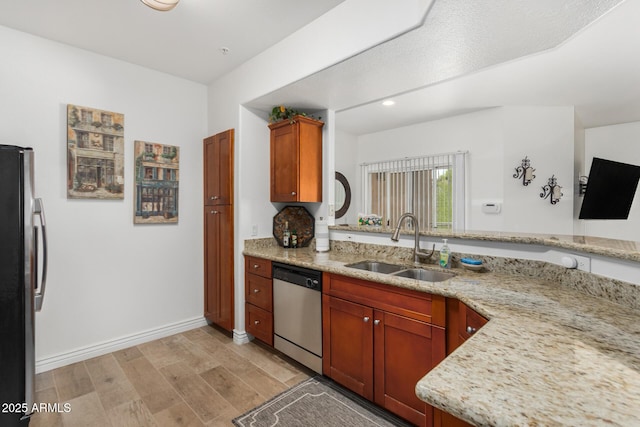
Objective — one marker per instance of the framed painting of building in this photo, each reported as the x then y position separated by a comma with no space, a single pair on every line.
157,174
95,153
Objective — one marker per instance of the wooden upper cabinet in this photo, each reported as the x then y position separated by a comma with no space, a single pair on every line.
296,160
218,173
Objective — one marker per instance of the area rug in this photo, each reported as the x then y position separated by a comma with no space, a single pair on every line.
319,402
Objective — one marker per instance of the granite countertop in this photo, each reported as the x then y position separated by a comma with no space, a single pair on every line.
620,249
550,355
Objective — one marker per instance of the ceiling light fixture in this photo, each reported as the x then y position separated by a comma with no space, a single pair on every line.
161,5
388,103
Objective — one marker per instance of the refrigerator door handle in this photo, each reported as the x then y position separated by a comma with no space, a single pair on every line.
39,296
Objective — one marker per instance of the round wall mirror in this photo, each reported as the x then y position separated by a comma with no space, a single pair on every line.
342,195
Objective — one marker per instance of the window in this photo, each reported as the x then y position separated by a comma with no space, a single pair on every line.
87,116
169,175
108,143
432,188
83,140
106,119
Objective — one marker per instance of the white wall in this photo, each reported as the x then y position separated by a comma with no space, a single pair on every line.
618,143
346,160
110,283
497,140
578,171
546,135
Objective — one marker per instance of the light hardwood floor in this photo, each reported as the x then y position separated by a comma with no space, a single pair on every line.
196,378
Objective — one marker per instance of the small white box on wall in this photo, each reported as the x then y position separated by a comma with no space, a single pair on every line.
491,208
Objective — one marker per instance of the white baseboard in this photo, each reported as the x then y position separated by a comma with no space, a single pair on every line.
241,337
84,353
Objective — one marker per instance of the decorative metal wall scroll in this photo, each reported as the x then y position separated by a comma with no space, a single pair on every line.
552,190
525,171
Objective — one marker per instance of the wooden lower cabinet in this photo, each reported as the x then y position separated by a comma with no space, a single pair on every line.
258,296
218,254
347,344
404,351
259,323
462,323
379,353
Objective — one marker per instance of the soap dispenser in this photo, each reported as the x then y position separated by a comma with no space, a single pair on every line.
445,255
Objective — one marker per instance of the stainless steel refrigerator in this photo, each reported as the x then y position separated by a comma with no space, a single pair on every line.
22,250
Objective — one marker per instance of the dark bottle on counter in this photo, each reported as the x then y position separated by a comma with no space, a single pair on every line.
286,235
294,239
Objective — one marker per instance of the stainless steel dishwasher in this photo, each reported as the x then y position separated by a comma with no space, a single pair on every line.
297,314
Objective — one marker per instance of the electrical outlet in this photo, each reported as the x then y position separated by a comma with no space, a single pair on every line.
584,263
254,230
332,209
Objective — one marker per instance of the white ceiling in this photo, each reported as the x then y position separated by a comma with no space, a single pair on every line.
478,54
468,55
184,42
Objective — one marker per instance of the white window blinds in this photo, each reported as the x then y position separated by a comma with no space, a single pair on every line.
430,187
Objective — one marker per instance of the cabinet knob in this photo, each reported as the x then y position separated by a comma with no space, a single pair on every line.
366,319
376,322
256,266
255,291
470,329
214,212
214,197
293,193
256,322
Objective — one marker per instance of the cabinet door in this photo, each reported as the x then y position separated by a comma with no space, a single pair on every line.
405,350
284,163
257,266
218,169
347,344
259,323
219,265
469,322
258,291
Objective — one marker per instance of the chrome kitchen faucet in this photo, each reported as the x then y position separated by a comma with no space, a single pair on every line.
417,252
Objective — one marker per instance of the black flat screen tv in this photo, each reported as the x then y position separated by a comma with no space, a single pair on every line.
610,190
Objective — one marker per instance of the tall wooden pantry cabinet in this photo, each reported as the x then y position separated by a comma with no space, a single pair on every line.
218,229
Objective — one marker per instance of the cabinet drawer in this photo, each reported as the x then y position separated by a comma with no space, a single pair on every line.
258,291
259,266
405,302
470,321
259,323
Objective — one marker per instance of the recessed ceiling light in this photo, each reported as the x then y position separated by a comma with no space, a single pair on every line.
161,5
388,103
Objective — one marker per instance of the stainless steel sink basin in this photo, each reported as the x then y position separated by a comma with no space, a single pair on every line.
375,266
426,275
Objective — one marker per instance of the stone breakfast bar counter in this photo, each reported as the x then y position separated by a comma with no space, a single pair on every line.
549,355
